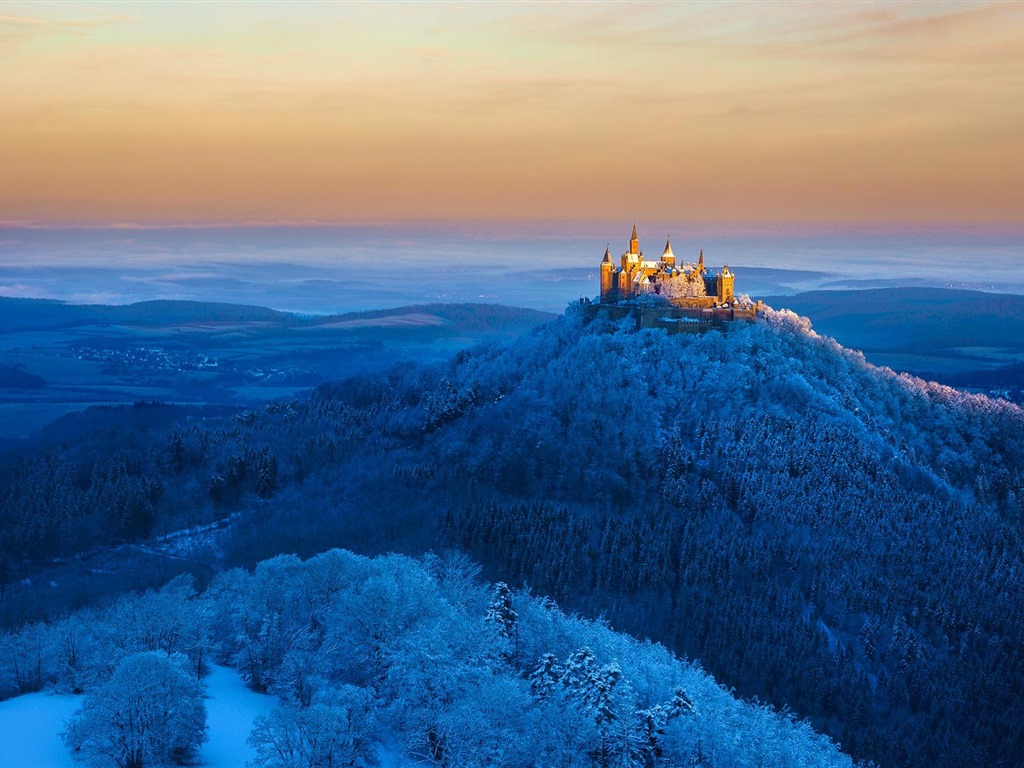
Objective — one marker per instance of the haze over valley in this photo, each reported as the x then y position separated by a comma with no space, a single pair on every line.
336,269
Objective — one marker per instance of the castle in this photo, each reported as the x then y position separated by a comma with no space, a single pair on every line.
692,299
684,285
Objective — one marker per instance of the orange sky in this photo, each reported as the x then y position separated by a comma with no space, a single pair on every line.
195,113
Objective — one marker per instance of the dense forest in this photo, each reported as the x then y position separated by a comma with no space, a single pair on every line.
413,659
817,532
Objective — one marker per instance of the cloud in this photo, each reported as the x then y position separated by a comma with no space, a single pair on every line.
18,29
100,297
967,35
93,20
22,291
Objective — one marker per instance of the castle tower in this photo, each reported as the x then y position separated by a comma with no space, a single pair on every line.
667,257
608,286
634,243
711,282
725,280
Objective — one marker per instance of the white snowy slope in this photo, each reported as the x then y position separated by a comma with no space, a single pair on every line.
230,710
30,725
30,729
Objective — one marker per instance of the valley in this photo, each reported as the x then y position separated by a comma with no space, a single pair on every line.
57,358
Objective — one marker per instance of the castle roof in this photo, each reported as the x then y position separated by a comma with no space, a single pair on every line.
608,254
668,249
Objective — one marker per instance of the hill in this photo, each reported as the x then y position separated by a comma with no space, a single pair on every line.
901,318
35,314
963,338
820,533
38,314
415,661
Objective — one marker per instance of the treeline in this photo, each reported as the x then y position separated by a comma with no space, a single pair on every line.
111,484
414,659
23,314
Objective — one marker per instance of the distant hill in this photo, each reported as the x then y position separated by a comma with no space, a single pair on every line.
29,314
26,314
907,318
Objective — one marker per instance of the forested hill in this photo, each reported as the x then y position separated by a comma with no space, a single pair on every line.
17,314
389,661
819,533
34,314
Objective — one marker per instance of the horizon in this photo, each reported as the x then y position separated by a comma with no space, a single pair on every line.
542,265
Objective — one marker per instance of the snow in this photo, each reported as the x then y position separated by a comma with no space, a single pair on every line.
30,725
230,710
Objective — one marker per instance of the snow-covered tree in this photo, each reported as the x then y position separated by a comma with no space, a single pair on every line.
79,649
260,618
682,287
24,658
332,735
502,617
164,620
544,680
149,713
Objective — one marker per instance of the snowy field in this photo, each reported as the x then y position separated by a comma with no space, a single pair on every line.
30,725
30,729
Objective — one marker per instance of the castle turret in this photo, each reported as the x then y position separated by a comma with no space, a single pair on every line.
725,281
634,242
608,286
667,257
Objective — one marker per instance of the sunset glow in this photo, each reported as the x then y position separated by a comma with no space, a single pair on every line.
331,112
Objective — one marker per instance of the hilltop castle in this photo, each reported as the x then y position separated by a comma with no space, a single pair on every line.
684,285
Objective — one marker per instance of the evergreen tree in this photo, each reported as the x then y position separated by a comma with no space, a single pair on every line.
502,616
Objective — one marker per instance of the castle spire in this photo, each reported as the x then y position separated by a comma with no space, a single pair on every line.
634,242
700,261
668,248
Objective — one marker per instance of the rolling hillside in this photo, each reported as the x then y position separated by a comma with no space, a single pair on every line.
822,534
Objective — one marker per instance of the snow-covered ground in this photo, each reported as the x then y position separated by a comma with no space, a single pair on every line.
30,729
30,725
230,710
